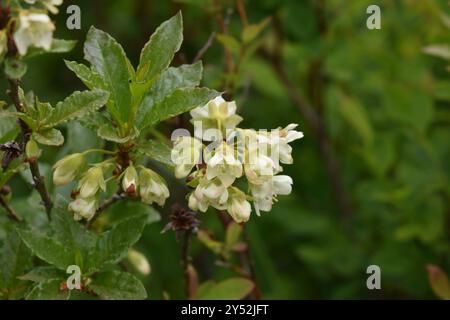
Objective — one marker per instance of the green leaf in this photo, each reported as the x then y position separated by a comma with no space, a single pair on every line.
180,101
110,133
15,259
52,137
185,76
229,42
77,105
212,244
114,244
116,285
357,118
42,273
158,151
47,249
109,60
48,290
123,210
158,52
8,129
253,30
233,234
14,68
72,235
230,289
58,46
22,116
89,77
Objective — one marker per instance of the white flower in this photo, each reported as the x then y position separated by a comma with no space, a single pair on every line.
265,194
209,193
83,208
130,180
91,182
288,135
238,207
49,4
67,168
152,187
35,29
139,261
216,114
259,168
185,155
223,164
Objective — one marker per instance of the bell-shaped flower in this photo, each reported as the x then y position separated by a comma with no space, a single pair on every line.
185,155
130,180
288,135
238,207
265,194
259,168
91,182
153,188
66,169
223,163
35,30
83,208
209,192
216,114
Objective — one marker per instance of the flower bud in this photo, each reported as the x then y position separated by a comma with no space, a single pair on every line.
139,261
67,168
238,206
185,155
91,182
83,208
152,187
130,180
32,150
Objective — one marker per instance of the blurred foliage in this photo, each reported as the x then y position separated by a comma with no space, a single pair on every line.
385,104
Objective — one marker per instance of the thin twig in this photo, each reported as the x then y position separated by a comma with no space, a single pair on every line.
105,205
38,179
242,12
10,213
185,261
205,48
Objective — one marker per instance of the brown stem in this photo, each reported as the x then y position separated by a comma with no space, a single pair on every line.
185,262
244,257
10,213
38,179
242,12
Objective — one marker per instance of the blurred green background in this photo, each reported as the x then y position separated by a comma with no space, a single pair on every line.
384,104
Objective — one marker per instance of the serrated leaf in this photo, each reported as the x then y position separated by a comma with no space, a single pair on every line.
113,245
158,52
47,249
76,105
89,77
42,273
52,137
116,285
15,259
158,151
180,101
48,290
230,289
185,76
110,133
109,60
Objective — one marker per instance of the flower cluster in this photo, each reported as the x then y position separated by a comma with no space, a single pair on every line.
33,26
234,153
146,183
